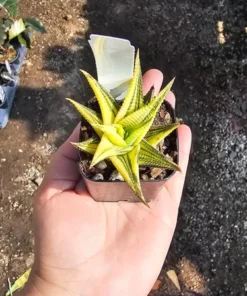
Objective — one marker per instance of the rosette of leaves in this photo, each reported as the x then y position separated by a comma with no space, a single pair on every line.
125,134
12,28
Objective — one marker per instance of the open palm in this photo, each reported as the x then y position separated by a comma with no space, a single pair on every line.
83,247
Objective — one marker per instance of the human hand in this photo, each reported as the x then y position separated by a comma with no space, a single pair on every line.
83,247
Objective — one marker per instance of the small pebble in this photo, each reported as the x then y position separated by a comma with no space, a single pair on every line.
19,179
144,177
233,155
68,17
16,205
222,154
116,176
162,113
20,150
83,128
156,172
98,177
101,165
38,181
29,64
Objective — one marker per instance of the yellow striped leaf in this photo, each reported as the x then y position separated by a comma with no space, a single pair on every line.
89,115
149,96
108,105
111,132
136,135
158,133
106,149
147,113
89,146
19,283
149,156
128,167
134,97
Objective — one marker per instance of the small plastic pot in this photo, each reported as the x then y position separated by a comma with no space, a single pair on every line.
17,62
7,93
14,60
113,191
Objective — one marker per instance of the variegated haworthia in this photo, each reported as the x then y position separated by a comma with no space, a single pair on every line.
125,133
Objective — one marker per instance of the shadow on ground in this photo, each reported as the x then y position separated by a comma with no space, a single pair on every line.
45,109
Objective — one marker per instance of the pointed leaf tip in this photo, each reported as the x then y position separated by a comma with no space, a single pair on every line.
107,103
134,98
149,156
158,133
89,115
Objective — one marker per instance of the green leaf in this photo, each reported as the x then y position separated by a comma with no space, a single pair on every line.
16,29
22,40
149,96
107,103
89,146
106,149
11,2
134,98
35,24
136,135
158,133
138,123
147,113
111,132
89,115
149,156
128,167
27,38
13,10
19,283
2,2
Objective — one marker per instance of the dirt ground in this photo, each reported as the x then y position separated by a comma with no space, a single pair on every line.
208,252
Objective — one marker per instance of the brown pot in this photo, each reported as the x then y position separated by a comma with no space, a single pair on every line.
113,191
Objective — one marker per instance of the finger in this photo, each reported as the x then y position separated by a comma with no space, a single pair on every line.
175,185
68,150
63,173
152,78
81,188
171,99
64,164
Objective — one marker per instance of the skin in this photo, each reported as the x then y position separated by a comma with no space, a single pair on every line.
83,247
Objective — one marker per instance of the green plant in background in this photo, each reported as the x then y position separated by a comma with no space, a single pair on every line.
12,29
125,134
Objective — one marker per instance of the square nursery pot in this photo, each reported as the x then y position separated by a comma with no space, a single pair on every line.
114,191
7,95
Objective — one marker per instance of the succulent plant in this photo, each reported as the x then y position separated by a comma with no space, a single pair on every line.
124,133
